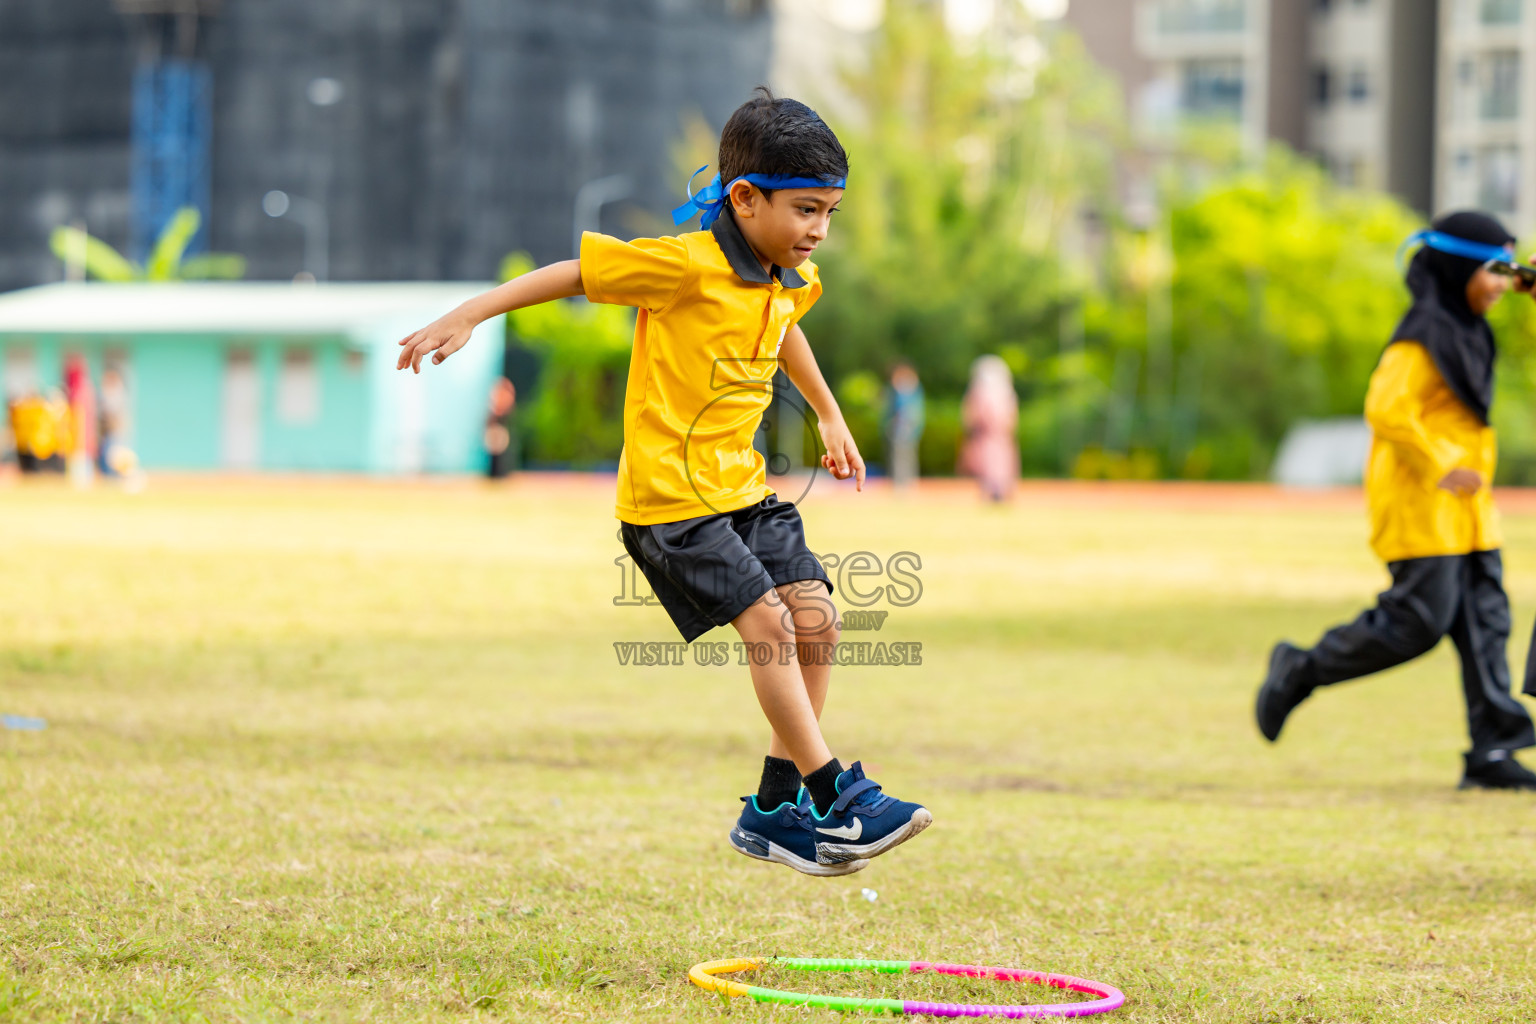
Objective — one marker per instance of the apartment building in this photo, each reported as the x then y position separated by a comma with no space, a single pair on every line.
1486,146
1350,81
1217,61
1370,85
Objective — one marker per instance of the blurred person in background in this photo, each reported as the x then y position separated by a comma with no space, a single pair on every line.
113,421
498,429
990,414
81,395
1432,515
40,426
904,424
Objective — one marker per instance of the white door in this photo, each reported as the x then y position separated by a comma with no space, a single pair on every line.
242,410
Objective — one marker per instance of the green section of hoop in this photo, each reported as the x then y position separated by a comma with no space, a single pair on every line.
773,995
808,963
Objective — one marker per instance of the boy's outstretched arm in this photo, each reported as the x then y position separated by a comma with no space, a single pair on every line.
842,457
448,334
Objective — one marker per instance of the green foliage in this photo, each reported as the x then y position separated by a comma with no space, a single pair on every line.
1514,404
167,258
1278,291
1264,293
575,417
213,266
101,261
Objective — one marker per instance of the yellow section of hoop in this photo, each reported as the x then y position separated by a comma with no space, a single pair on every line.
702,975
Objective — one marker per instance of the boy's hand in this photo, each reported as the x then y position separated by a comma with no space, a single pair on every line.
1462,481
443,337
842,456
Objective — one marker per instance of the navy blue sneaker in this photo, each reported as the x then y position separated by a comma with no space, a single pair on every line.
783,836
863,821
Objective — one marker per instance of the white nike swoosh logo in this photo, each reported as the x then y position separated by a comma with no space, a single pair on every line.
847,831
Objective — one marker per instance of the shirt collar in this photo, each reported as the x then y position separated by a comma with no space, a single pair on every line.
743,260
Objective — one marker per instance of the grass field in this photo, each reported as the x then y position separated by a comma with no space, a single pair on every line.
363,751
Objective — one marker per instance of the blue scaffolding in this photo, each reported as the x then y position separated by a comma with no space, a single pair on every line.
172,159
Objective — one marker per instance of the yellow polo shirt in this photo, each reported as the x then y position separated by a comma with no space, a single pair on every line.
707,339
1420,432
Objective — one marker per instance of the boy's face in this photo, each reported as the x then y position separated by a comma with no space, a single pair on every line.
786,227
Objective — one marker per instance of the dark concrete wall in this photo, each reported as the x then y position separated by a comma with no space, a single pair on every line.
464,131
64,71
1289,78
1411,110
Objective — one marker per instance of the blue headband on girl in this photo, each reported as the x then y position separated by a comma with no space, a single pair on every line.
711,198
1454,246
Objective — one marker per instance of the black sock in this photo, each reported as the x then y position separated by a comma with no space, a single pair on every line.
822,784
780,784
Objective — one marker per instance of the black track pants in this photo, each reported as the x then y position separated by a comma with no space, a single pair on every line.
1457,595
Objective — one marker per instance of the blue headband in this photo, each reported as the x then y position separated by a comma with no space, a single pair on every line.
1454,246
711,198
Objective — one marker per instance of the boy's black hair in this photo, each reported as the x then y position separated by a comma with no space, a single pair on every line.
770,135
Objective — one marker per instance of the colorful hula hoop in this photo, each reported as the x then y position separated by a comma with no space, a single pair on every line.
1109,997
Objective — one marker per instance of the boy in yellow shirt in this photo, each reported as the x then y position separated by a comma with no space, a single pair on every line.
1432,515
719,313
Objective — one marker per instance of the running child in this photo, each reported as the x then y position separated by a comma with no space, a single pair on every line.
719,313
1432,515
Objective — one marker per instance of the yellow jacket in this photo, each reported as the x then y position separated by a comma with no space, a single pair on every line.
42,427
1420,432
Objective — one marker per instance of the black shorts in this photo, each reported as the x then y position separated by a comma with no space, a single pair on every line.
708,570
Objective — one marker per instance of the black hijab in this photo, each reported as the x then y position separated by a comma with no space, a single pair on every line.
1459,340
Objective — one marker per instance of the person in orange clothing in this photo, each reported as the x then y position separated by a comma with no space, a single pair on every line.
1432,515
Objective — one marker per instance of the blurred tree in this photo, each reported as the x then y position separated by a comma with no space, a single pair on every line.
575,415
1283,291
167,258
1514,405
967,162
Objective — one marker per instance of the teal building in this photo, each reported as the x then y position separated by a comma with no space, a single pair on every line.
265,376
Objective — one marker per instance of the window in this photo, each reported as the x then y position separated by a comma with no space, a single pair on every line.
1499,94
1464,93
1322,86
1498,186
1213,88
1347,170
1499,12
1359,85
298,388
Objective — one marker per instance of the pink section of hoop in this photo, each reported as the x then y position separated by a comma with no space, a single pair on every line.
1110,998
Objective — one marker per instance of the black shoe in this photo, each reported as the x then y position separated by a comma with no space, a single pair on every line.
1496,769
1282,689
